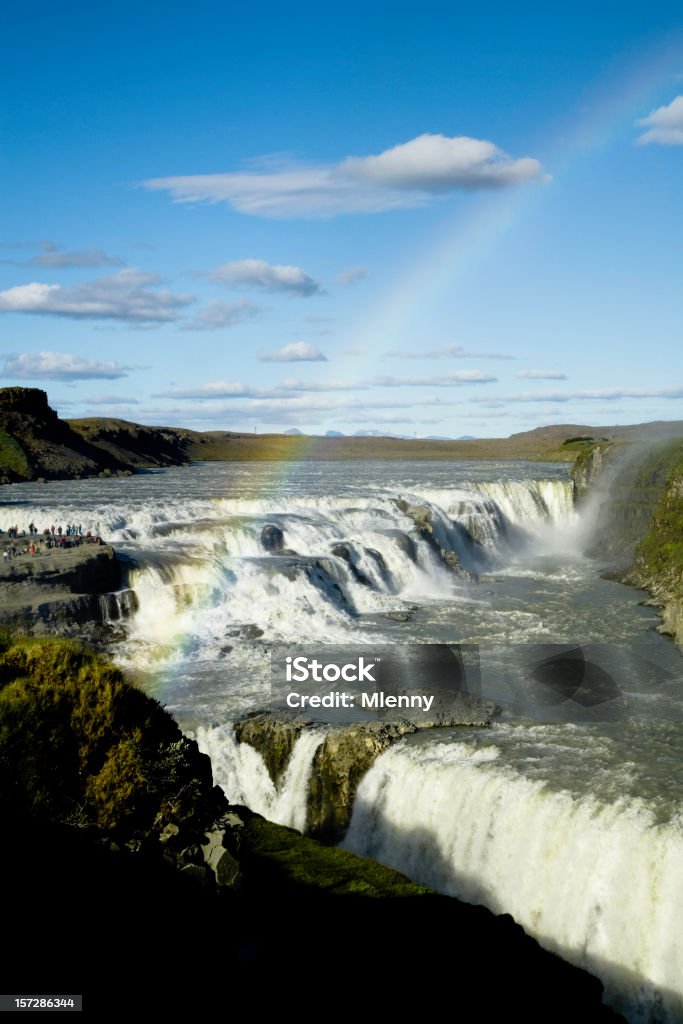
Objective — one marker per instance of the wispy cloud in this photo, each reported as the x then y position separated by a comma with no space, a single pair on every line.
351,275
409,174
541,375
130,296
267,277
296,352
213,390
289,388
60,366
55,256
111,400
664,125
446,380
215,316
444,352
296,409
608,394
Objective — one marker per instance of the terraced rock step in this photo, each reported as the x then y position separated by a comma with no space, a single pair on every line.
55,588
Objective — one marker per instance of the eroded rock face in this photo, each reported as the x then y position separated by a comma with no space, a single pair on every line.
56,589
274,738
339,764
589,466
422,517
348,751
420,514
659,558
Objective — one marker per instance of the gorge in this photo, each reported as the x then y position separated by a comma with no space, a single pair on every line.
548,813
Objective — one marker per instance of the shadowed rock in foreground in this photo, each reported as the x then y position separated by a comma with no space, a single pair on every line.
152,891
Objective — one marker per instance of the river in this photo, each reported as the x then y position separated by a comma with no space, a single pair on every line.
566,813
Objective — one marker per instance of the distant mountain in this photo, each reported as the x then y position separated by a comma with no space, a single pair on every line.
379,433
334,433
294,432
466,437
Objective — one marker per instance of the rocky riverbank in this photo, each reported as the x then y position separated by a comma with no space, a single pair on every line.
639,524
126,875
658,566
56,590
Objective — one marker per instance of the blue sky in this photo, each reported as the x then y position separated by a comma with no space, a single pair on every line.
420,218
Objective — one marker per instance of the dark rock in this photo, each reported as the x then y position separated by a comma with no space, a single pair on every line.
339,764
272,539
198,873
225,868
420,514
274,738
343,551
403,542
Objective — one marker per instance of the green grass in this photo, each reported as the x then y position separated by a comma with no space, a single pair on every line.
661,550
75,734
13,459
287,858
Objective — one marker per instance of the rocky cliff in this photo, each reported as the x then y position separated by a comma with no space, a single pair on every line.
658,566
58,590
624,482
638,490
36,444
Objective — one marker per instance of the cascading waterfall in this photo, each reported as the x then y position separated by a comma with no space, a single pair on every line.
601,884
241,771
206,570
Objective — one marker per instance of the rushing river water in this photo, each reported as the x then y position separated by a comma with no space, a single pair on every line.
565,814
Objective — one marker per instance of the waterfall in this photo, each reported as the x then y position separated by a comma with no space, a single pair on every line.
599,883
241,773
340,559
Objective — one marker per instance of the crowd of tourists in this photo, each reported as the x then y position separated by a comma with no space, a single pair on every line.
33,541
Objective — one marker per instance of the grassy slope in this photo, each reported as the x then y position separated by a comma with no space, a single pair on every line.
661,550
81,746
13,461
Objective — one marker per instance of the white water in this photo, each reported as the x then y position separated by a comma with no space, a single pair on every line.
600,883
240,771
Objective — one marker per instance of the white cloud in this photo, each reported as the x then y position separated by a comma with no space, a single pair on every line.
436,163
110,400
446,380
60,366
267,277
290,388
54,256
609,394
295,352
351,275
214,389
215,316
542,375
130,295
296,385
445,352
665,125
405,175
